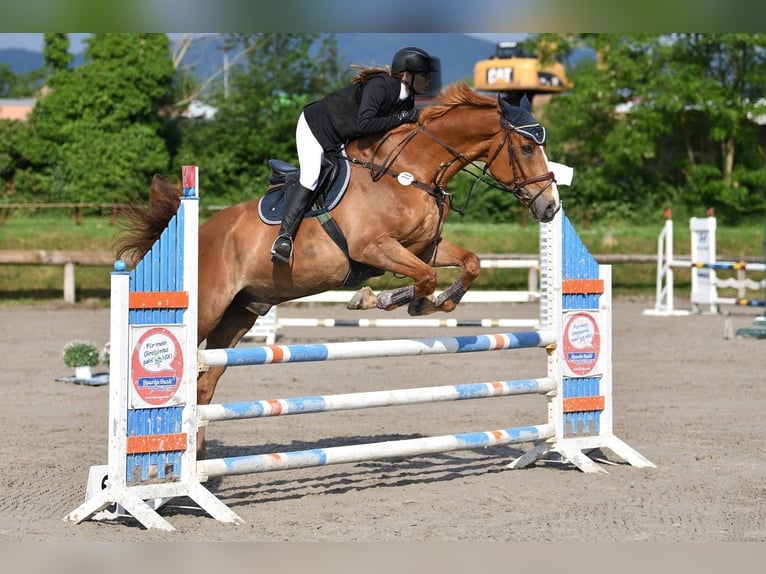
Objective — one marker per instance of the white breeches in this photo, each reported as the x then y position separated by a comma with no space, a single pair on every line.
309,154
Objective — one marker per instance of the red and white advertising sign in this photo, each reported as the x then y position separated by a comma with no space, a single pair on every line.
157,366
582,344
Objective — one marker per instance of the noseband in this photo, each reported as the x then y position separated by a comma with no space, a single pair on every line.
518,184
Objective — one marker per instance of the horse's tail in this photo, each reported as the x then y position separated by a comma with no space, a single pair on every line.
142,226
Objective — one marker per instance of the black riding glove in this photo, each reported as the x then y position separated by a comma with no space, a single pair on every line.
408,116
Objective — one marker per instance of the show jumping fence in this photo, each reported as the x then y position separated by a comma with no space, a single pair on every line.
154,417
704,265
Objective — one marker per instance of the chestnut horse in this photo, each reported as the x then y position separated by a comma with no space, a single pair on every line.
392,217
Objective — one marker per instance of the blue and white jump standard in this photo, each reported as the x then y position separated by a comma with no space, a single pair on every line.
154,416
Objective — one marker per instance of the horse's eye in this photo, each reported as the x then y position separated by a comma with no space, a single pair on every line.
527,149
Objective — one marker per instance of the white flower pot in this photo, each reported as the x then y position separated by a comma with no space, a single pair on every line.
82,372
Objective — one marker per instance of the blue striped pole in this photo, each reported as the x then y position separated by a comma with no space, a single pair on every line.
350,401
367,349
212,468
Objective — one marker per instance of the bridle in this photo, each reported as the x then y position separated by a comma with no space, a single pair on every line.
438,187
518,185
437,184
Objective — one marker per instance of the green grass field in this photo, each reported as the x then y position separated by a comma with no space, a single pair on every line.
27,284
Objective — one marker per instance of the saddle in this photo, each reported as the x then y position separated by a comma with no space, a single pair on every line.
333,183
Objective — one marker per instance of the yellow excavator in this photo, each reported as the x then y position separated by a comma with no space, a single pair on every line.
512,72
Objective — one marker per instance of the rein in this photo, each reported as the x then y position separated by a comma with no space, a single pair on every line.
438,189
379,170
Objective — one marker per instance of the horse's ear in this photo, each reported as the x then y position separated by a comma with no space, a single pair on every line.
504,106
524,104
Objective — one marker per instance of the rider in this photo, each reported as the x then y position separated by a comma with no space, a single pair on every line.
376,101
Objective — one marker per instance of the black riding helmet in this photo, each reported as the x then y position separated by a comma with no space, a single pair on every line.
413,60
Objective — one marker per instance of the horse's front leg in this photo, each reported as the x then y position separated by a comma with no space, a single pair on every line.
419,296
389,299
449,255
394,258
234,324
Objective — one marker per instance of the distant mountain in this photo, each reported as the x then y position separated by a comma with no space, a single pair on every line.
457,53
23,61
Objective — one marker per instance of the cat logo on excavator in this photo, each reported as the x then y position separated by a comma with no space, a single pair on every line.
510,70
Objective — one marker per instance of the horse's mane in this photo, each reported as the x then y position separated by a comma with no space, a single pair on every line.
457,94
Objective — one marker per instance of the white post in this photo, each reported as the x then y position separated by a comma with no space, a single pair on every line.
703,250
141,498
667,264
664,304
741,282
663,301
69,282
532,280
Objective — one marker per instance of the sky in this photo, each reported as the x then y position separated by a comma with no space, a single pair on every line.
34,42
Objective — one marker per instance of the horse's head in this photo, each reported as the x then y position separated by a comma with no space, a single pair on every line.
472,133
526,174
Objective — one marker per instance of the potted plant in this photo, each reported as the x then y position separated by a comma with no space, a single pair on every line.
81,355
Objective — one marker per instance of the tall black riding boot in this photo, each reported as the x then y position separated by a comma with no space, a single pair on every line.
298,199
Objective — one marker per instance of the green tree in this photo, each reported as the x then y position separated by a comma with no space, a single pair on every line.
10,134
14,85
13,132
56,54
663,120
8,80
101,131
724,81
272,77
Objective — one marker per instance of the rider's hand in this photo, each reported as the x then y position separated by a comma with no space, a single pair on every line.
408,116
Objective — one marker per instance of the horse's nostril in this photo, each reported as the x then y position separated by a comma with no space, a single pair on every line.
549,212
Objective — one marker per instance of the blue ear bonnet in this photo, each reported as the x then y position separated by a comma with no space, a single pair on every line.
522,122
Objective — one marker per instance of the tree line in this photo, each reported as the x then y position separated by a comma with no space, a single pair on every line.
653,121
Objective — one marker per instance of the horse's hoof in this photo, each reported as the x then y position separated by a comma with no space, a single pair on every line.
360,299
422,306
356,302
418,307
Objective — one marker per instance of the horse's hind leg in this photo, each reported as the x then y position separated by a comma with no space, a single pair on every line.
230,329
449,255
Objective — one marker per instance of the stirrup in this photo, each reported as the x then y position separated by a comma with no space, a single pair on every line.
282,249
